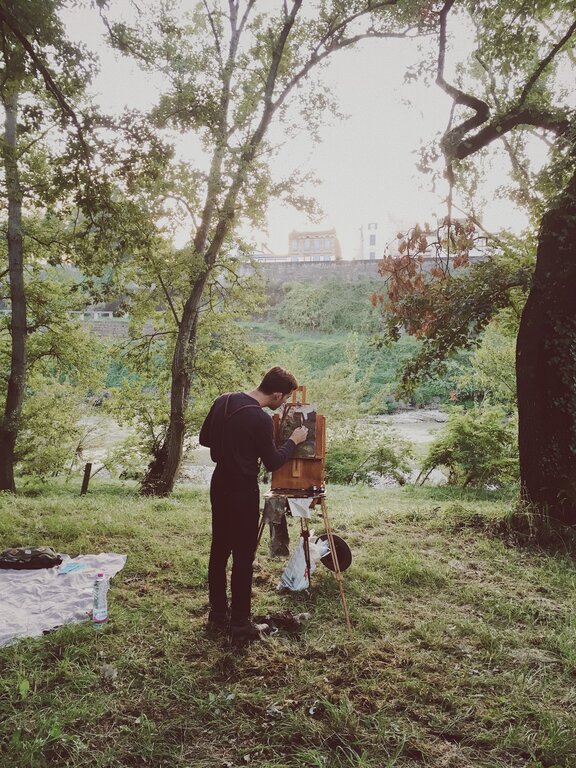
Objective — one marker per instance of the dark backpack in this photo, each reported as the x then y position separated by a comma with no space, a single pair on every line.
29,558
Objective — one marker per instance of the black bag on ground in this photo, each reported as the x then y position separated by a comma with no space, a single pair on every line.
29,558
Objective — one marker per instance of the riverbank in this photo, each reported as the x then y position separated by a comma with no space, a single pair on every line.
418,426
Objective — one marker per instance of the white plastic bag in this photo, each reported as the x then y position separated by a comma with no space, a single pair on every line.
296,576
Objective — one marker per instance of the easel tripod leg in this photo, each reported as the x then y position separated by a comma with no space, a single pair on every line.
337,571
260,530
305,533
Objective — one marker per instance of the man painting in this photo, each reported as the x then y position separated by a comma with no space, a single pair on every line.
240,434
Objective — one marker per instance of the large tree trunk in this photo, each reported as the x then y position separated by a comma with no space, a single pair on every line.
546,369
163,469
17,378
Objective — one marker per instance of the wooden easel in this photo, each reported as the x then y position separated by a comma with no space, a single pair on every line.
304,477
301,474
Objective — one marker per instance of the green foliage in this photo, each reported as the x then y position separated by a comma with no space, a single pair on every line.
226,359
331,306
491,371
330,370
65,364
477,446
360,456
385,393
324,362
449,313
117,371
141,402
50,432
338,388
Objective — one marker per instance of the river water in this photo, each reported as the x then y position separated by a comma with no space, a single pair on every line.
418,426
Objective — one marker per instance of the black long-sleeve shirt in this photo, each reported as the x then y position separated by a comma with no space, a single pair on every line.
238,433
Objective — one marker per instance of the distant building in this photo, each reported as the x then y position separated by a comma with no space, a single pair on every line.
308,245
314,245
372,241
264,254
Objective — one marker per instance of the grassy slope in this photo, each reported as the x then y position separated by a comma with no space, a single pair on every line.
463,653
381,367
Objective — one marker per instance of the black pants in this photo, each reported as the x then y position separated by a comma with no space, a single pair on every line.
235,511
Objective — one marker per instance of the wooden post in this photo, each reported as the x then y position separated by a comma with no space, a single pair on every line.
86,479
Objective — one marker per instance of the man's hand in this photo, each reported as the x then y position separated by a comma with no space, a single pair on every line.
299,435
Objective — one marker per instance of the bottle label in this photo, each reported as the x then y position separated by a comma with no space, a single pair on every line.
100,603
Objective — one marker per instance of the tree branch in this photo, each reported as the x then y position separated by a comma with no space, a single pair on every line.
459,142
44,243
51,86
334,34
184,202
215,34
169,300
482,111
522,174
42,135
544,63
502,125
121,45
245,16
277,56
370,8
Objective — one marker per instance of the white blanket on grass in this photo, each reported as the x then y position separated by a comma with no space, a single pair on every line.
36,601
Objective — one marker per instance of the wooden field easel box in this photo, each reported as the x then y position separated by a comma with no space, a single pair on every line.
303,474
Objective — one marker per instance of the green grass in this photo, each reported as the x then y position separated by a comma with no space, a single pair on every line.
463,652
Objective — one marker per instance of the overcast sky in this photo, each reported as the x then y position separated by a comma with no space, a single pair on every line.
366,164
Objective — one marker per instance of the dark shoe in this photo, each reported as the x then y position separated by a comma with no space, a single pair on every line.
218,620
248,631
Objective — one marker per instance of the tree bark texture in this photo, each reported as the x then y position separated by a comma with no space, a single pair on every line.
163,469
17,378
546,369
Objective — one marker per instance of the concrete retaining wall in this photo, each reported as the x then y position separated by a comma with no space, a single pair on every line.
108,328
306,271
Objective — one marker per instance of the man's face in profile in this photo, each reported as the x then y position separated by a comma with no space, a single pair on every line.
279,399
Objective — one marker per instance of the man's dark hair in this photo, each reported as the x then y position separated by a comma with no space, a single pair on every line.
278,380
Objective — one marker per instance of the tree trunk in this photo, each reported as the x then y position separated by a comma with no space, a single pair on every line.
162,470
546,369
17,378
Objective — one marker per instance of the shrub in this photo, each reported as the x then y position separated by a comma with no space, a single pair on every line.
354,457
50,432
491,373
478,447
332,306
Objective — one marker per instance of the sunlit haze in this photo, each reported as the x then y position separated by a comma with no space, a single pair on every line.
365,164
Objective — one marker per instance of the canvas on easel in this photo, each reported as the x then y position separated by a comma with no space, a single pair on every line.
294,416
305,470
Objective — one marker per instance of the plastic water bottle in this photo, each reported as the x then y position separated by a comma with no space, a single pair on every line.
100,601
